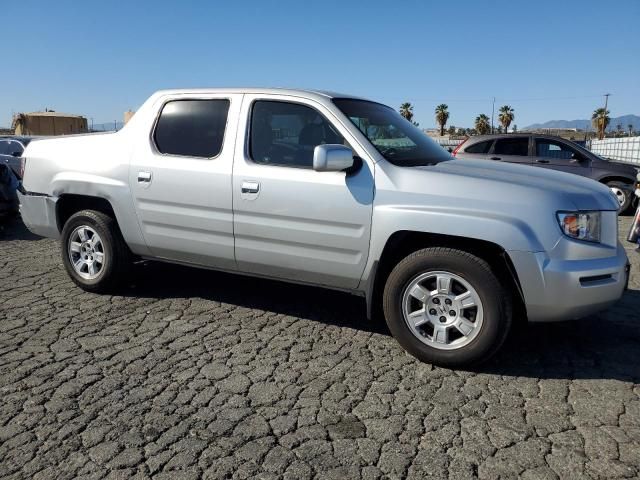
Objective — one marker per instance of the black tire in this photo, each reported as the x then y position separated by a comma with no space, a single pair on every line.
624,207
117,256
496,302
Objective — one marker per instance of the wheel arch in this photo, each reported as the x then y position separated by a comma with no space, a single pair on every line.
404,242
615,178
70,203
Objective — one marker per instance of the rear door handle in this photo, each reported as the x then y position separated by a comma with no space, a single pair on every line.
542,161
144,177
496,158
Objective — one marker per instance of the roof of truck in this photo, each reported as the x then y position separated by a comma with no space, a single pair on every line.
261,90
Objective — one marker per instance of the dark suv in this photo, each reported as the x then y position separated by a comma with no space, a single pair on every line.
556,153
11,164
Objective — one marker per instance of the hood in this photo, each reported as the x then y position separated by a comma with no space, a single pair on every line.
522,185
618,167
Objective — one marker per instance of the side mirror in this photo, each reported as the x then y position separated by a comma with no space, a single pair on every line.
16,154
576,158
332,158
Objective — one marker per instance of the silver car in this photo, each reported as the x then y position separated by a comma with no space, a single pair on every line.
335,191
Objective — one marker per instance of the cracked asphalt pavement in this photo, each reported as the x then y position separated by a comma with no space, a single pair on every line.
197,374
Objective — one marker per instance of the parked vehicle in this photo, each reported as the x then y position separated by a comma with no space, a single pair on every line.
335,191
553,153
634,231
11,165
8,192
11,149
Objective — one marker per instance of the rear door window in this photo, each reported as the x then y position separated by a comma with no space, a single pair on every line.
192,128
4,147
480,147
512,146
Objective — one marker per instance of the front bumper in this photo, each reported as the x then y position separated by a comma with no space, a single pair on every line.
557,290
38,213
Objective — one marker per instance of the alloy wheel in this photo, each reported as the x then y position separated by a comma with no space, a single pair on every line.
442,310
86,252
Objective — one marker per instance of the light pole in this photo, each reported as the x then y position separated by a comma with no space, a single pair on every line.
493,107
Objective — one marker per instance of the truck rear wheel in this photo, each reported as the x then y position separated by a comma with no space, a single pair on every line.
446,307
93,251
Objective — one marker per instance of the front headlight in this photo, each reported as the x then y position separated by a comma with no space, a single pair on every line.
580,225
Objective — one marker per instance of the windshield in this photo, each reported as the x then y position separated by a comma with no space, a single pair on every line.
394,137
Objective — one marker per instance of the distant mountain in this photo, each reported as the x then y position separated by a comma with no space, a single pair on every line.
624,120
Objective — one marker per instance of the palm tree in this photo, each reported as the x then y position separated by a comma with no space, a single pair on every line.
600,121
442,115
506,116
482,125
630,128
406,110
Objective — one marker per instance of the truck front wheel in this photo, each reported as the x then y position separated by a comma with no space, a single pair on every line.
93,251
446,307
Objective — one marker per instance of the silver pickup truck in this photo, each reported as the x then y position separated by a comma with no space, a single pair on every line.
335,191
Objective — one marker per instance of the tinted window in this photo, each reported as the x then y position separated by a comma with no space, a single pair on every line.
553,149
480,147
286,133
512,146
193,128
4,147
397,139
14,147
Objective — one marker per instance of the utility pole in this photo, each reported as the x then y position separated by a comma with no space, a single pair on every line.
493,107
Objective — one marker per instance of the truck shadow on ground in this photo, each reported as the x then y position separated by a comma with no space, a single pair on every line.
603,346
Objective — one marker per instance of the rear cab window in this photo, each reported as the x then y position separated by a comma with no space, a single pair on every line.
192,128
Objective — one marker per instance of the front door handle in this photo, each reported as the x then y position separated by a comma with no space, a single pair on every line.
542,161
250,187
144,177
496,158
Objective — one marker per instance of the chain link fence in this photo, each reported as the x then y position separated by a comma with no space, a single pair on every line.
106,127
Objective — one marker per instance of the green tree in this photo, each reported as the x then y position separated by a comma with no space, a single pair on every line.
442,115
406,110
482,125
506,116
451,130
630,128
600,121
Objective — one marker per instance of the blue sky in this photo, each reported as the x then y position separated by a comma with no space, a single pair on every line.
547,59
